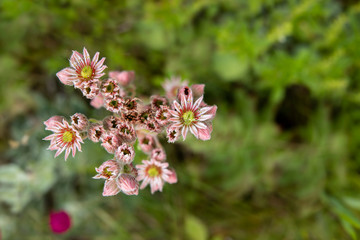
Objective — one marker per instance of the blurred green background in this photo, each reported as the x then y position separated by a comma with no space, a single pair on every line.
283,161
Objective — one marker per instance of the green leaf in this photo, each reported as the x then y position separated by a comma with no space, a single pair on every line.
195,229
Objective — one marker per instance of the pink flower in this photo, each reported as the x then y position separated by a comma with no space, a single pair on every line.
79,121
123,78
60,222
157,102
162,115
109,171
130,104
173,134
90,89
146,143
97,101
110,89
128,184
172,86
172,177
82,70
126,132
65,137
153,172
50,123
113,104
111,123
158,154
125,153
189,116
95,132
110,142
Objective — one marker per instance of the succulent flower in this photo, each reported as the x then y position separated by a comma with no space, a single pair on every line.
154,173
79,121
109,171
110,141
125,153
82,70
190,116
158,154
172,85
95,132
123,78
65,138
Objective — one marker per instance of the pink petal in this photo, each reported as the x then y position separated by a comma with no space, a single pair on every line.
184,132
194,131
86,56
110,188
197,103
65,77
198,89
204,134
204,117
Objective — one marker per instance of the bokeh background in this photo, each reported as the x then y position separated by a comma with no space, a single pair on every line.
283,161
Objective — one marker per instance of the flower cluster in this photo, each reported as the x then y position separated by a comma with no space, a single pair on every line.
133,121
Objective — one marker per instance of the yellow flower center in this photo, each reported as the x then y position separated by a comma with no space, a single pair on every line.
107,173
86,72
153,171
188,118
68,136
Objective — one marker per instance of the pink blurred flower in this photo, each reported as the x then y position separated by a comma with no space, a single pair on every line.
65,137
172,177
110,89
154,173
172,85
158,154
97,101
50,123
189,116
146,143
60,222
123,78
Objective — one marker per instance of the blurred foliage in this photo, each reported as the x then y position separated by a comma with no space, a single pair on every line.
283,161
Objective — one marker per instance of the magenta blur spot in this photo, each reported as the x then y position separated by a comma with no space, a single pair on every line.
60,222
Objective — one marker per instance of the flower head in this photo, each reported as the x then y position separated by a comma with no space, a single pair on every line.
110,141
158,154
95,132
79,121
109,171
123,78
172,85
65,138
154,173
125,153
190,116
83,69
